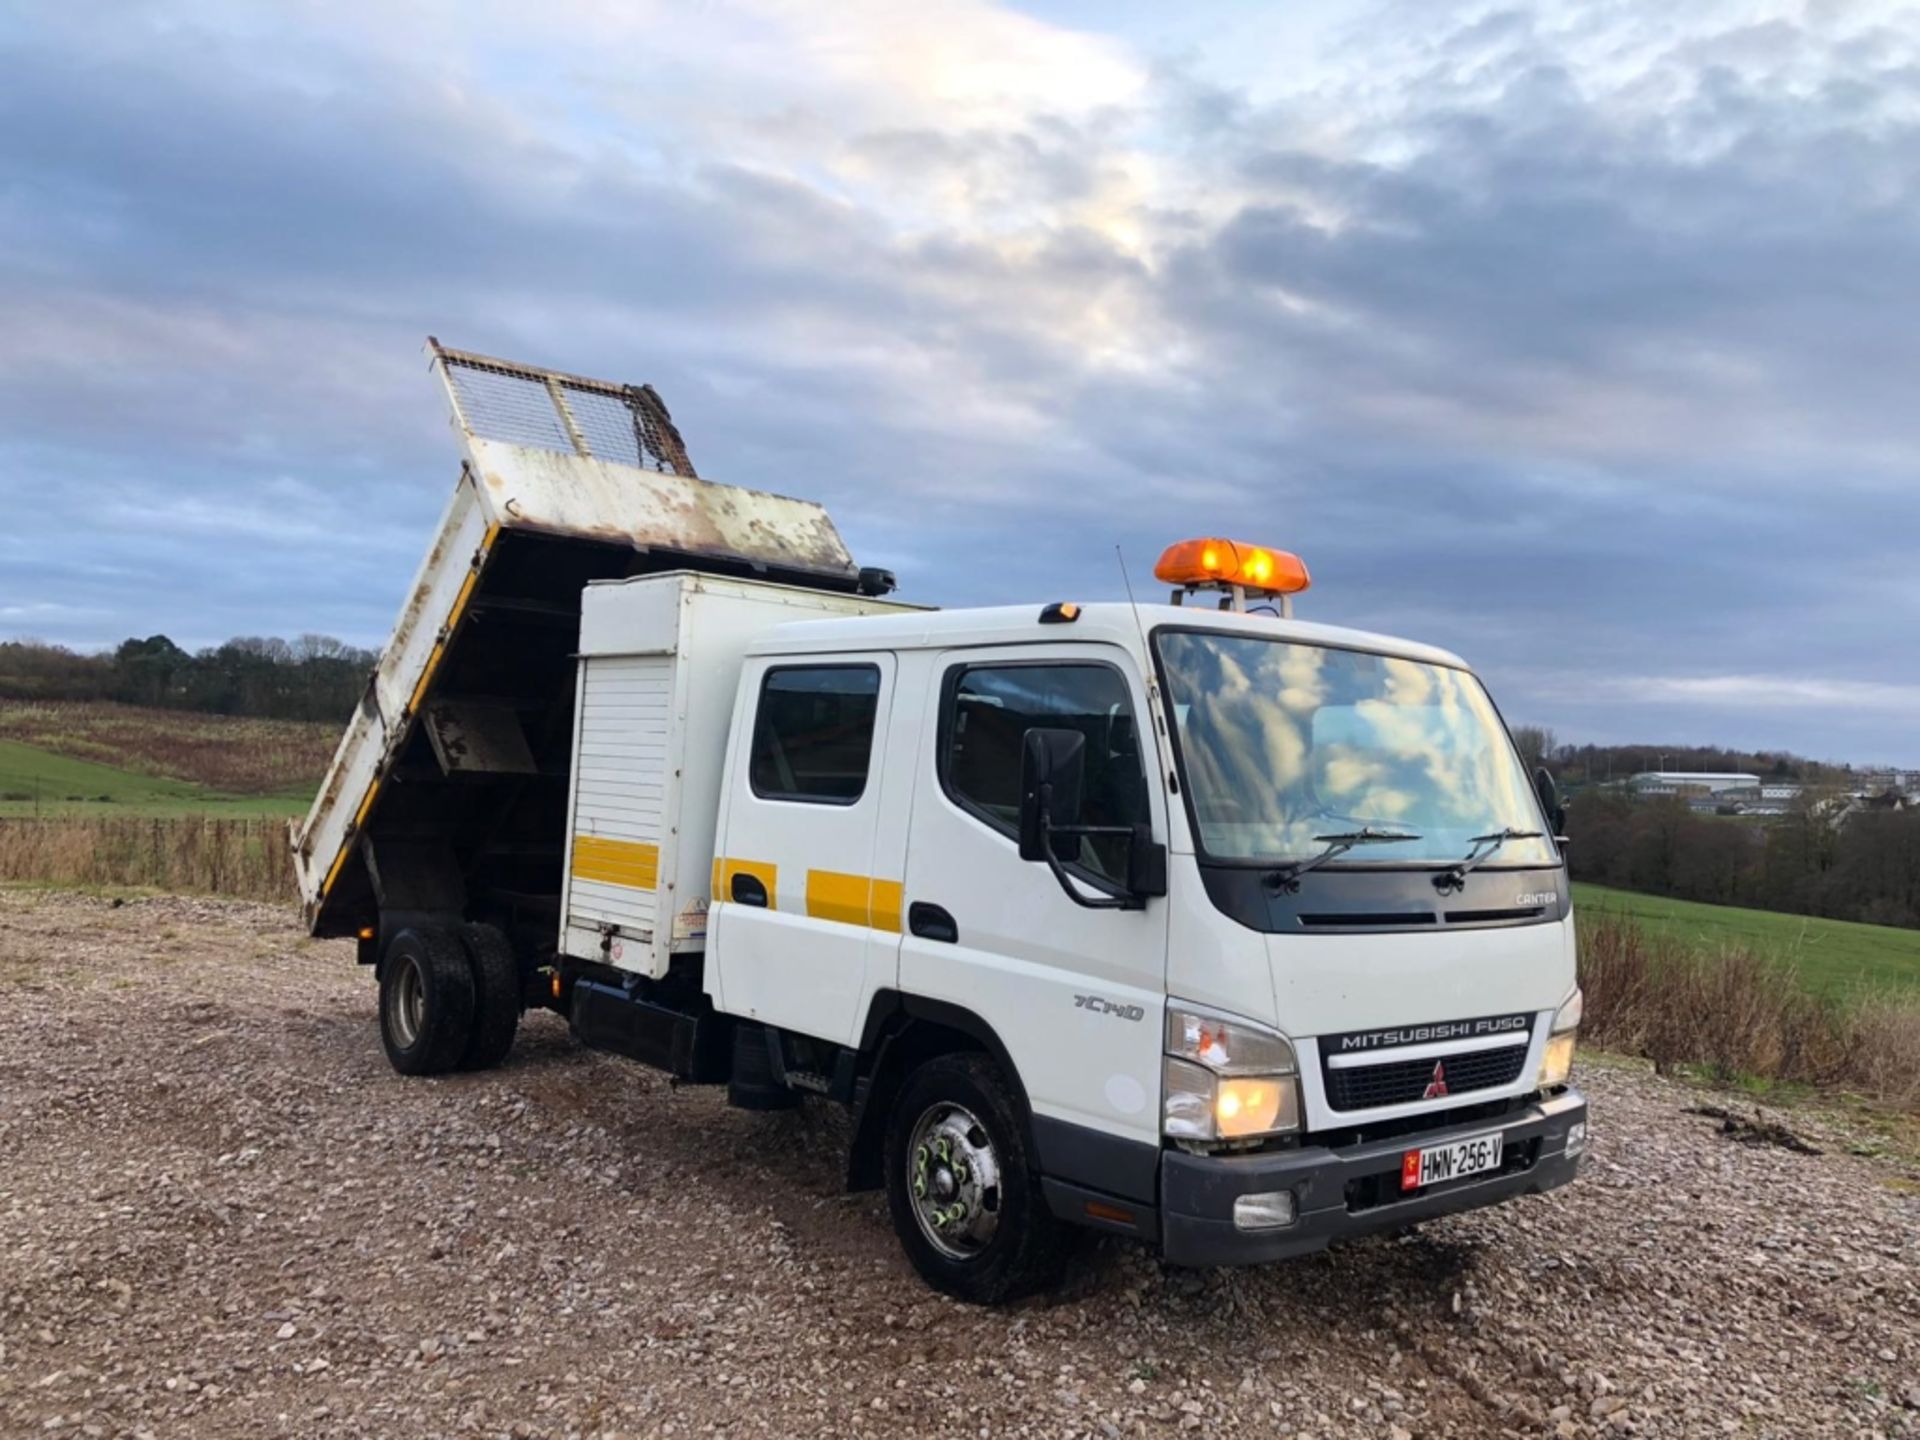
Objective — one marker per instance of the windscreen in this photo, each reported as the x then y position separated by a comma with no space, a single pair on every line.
1281,742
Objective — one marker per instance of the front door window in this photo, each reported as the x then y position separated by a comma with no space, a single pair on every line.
990,708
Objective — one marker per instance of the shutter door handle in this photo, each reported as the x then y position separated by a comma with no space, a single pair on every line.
749,889
931,922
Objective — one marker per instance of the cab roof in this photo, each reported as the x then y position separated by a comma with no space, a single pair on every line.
1105,623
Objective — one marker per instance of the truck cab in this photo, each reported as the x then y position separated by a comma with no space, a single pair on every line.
1260,924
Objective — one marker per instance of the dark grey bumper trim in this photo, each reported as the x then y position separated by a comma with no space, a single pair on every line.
1198,1191
1096,1161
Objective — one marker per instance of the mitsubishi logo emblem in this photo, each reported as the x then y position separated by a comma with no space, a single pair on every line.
1437,1086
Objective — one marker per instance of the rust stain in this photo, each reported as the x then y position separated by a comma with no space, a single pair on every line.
605,500
417,601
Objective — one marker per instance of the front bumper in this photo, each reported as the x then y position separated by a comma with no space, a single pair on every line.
1354,1190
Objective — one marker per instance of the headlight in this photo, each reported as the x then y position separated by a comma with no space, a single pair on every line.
1226,1079
1556,1064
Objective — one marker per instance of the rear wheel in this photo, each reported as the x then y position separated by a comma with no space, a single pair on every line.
965,1201
496,996
426,1001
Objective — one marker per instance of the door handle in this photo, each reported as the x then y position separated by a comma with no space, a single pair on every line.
749,889
931,922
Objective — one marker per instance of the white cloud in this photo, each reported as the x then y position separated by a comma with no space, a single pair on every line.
1756,691
46,610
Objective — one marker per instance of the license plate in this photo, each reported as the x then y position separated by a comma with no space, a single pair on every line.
1437,1164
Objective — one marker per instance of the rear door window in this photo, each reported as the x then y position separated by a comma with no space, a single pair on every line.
813,733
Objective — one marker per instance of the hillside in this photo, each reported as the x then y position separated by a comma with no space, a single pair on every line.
1833,957
67,757
239,754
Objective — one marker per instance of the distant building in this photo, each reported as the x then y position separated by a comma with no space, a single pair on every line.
1724,784
1779,790
1881,782
1861,804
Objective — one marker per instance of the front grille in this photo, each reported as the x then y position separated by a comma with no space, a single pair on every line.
1401,1082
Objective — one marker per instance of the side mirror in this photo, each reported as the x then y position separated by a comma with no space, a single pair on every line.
1548,790
1053,769
1053,763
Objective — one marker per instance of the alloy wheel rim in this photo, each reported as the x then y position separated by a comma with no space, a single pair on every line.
953,1181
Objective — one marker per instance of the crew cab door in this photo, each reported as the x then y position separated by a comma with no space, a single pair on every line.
1074,994
797,915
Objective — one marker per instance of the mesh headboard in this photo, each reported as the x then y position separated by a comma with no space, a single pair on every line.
551,410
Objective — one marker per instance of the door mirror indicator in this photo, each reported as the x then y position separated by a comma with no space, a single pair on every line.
1053,766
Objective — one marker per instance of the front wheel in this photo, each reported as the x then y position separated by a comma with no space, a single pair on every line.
965,1201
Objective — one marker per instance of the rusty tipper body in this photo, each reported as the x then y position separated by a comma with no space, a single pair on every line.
452,777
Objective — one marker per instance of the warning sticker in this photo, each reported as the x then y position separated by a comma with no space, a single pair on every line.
691,923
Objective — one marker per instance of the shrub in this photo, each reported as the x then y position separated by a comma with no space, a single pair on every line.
1738,1013
246,858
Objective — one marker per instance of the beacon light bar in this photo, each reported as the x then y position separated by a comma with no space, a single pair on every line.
1218,564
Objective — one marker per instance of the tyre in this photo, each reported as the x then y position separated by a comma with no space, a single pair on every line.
496,996
966,1203
426,1001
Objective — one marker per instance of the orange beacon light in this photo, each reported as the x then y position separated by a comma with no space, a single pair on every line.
1233,567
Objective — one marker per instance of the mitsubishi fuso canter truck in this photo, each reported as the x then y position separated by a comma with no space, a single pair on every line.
1190,921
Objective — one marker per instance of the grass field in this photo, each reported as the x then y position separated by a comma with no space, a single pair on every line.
67,758
231,754
37,781
1833,957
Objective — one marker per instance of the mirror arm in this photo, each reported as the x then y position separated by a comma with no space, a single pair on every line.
1113,900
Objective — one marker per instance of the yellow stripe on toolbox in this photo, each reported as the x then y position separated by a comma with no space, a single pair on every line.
633,863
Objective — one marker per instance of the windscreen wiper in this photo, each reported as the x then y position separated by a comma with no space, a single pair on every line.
1287,877
1484,849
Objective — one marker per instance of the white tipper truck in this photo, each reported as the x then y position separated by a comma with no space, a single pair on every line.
1188,921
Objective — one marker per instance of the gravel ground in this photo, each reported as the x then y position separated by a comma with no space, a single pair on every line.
222,1215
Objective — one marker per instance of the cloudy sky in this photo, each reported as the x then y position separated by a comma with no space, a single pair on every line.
1583,339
